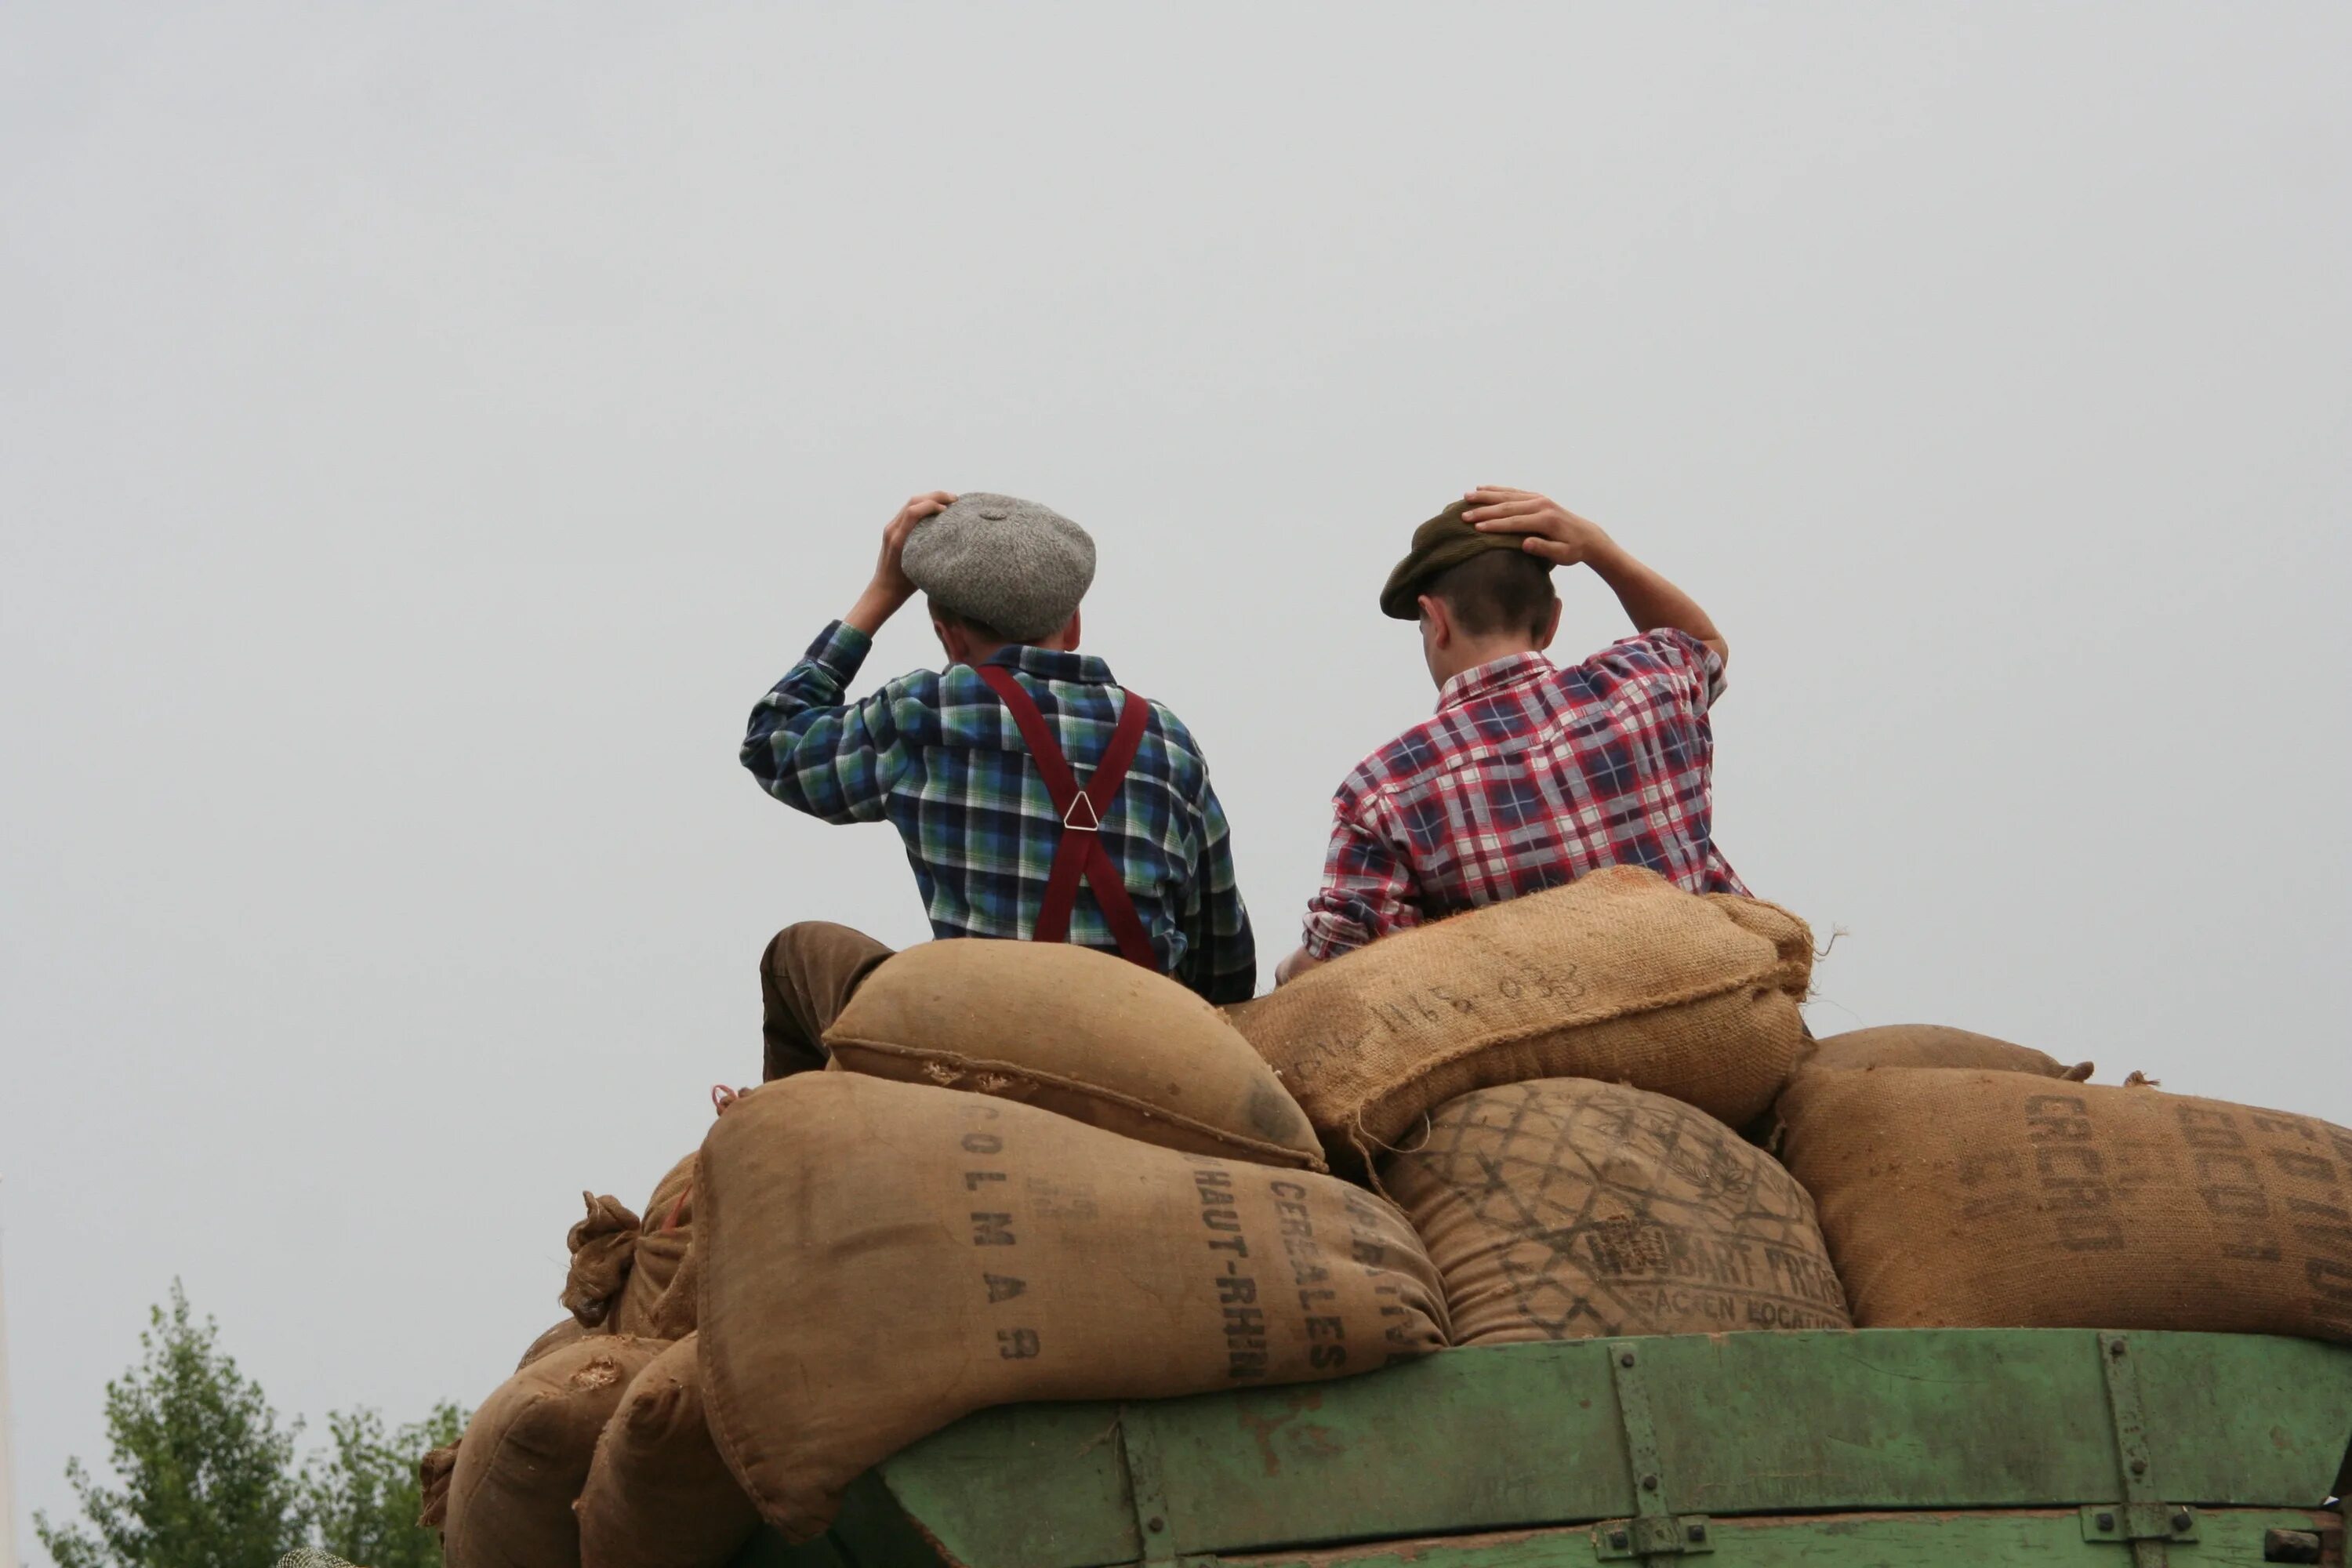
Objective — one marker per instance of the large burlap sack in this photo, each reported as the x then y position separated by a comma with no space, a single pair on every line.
622,1267
1932,1046
1077,1032
525,1455
880,1258
568,1332
2003,1200
1619,976
662,1243
658,1495
1565,1209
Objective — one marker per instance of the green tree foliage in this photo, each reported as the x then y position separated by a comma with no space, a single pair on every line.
363,1494
209,1479
207,1473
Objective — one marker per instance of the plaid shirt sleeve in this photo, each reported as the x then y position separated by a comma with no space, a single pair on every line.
1221,953
1699,666
1367,889
817,754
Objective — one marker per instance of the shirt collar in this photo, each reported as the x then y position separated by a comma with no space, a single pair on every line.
1052,664
1495,674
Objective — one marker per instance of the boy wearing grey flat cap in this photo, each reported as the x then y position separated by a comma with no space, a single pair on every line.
1037,800
1531,774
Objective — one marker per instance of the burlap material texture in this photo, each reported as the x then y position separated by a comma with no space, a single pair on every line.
880,1258
1077,1032
433,1471
604,1246
1932,1046
566,1332
661,1247
1564,1209
658,1495
2005,1200
1619,976
525,1455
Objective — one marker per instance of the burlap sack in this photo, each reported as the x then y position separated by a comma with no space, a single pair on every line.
525,1455
661,1248
1077,1032
568,1332
602,1245
880,1258
1619,976
1932,1046
658,1495
434,1469
2001,1200
1565,1209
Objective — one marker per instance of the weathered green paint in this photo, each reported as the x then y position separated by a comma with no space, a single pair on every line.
1524,1437
2231,1538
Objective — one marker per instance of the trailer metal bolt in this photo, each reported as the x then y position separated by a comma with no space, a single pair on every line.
1698,1532
2106,1522
1649,1483
1619,1539
2115,1349
2180,1523
2140,1466
1625,1360
1155,1524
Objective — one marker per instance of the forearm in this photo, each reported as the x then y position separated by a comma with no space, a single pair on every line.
874,608
1650,600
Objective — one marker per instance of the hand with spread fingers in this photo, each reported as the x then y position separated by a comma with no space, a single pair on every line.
891,588
1547,528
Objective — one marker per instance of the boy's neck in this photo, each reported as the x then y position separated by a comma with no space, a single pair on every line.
1466,656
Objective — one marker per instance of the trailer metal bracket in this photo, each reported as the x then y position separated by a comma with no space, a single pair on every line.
1138,1447
1655,1530
2143,1518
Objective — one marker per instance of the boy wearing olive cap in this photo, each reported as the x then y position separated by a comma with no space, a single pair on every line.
1037,800
1530,774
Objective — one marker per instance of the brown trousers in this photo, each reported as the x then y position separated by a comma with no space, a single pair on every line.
806,977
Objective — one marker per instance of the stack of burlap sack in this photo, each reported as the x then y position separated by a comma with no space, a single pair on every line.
1040,1172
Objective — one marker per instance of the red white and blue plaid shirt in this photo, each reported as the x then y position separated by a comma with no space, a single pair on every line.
1530,777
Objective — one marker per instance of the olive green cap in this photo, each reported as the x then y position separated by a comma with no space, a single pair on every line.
1443,541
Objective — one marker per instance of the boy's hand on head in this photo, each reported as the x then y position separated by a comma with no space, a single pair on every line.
891,588
1547,528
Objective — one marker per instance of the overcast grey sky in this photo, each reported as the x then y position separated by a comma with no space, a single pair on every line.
425,431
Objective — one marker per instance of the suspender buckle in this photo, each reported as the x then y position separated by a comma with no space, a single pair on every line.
1089,822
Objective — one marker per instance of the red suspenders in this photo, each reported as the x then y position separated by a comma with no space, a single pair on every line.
1080,852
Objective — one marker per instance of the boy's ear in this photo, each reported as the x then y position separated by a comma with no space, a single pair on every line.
1071,633
1440,619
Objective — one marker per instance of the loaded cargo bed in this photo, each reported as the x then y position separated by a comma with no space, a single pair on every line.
1878,1446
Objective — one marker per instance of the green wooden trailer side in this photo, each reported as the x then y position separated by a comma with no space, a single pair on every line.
1881,1446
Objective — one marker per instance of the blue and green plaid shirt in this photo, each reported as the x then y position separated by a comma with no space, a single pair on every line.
937,755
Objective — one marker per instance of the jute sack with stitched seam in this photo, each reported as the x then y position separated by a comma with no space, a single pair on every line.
658,1495
2005,1200
1565,1209
1077,1032
880,1258
1932,1046
525,1455
1619,976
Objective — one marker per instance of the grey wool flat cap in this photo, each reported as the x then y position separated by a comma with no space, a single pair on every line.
1013,566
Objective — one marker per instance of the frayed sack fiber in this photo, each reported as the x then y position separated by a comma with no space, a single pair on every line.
1956,1199
1565,1209
1932,1046
658,1495
880,1258
1619,976
525,1455
1077,1032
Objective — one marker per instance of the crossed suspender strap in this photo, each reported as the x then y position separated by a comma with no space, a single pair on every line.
1079,853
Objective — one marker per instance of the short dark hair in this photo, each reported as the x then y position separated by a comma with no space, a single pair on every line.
1496,591
978,628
